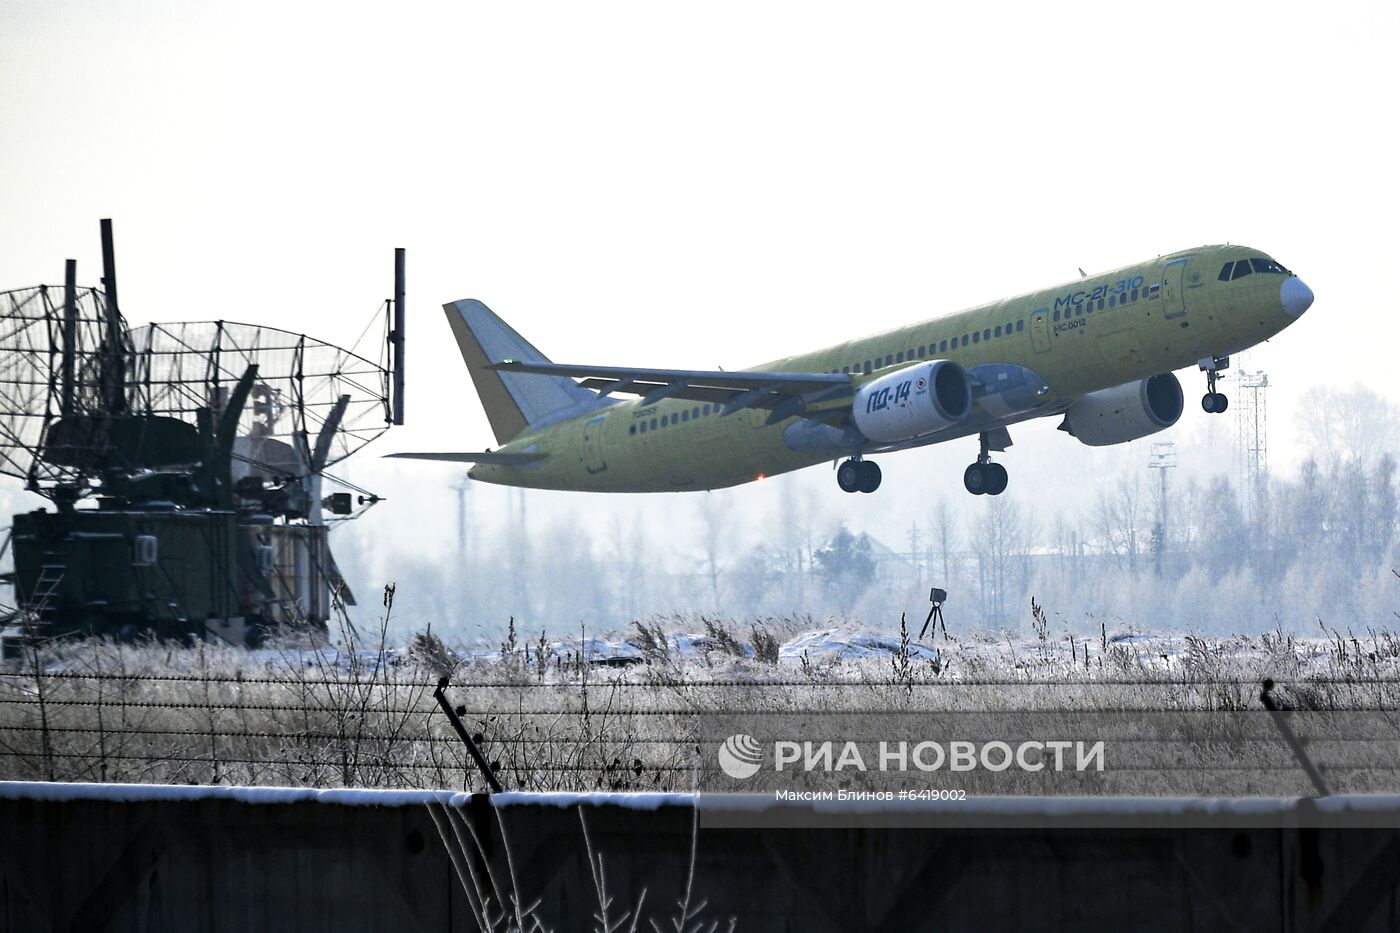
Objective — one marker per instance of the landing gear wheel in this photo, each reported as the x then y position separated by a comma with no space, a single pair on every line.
976,480
848,476
869,476
997,478
1215,402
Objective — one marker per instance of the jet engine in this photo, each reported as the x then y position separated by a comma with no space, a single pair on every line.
1125,413
913,401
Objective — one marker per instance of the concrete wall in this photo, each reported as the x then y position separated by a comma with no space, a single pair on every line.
105,857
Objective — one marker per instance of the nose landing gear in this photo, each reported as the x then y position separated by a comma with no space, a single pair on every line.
1214,402
985,478
858,476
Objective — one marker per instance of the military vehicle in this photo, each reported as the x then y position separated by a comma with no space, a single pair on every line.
185,463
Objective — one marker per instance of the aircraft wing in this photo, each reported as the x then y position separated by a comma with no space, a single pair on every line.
485,456
785,394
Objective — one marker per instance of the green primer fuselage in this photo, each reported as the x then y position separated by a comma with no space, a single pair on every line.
1078,337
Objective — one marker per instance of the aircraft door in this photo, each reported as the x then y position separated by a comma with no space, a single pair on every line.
1040,330
1173,290
593,445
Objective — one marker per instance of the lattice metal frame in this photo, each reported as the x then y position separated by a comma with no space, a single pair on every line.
180,368
171,370
34,330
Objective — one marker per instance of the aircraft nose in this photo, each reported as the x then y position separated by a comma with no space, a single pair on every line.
1296,296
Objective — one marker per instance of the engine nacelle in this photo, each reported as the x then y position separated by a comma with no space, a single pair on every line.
913,401
1127,412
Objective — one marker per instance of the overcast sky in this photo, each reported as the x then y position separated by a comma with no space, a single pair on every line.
701,184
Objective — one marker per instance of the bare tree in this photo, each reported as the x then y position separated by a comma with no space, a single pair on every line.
1354,424
999,541
848,566
944,530
1118,517
755,581
716,525
1384,505
636,583
570,586
1309,513
796,514
1224,535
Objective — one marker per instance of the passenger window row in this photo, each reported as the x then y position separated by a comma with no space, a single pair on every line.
662,421
1146,293
976,337
935,346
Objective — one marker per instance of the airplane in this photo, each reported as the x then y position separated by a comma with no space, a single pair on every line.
1098,352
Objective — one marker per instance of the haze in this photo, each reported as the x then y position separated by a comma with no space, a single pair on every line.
642,184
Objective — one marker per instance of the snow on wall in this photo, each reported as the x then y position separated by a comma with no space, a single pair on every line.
1380,805
133,793
357,797
638,801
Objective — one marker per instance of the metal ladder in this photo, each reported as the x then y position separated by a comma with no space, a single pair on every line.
32,610
50,579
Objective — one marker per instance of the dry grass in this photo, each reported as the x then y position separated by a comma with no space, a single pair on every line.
363,714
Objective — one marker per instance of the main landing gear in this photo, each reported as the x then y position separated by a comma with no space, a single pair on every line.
985,478
1214,402
858,476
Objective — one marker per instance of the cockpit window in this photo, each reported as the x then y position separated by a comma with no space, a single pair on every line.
1225,272
1268,265
1241,269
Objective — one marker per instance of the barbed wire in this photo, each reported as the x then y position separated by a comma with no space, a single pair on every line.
368,727
1164,680
116,703
601,712
370,764
371,739
626,768
290,680
1265,737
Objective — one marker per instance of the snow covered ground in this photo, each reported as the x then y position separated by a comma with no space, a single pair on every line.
849,645
830,649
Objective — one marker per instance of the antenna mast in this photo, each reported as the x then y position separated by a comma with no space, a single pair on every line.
114,375
1162,459
396,336
1253,425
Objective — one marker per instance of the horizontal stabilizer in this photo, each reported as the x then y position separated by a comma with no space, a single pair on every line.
486,456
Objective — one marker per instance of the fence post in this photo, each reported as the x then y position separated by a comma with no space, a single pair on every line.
440,695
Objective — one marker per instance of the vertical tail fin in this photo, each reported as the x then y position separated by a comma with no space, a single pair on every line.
513,401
